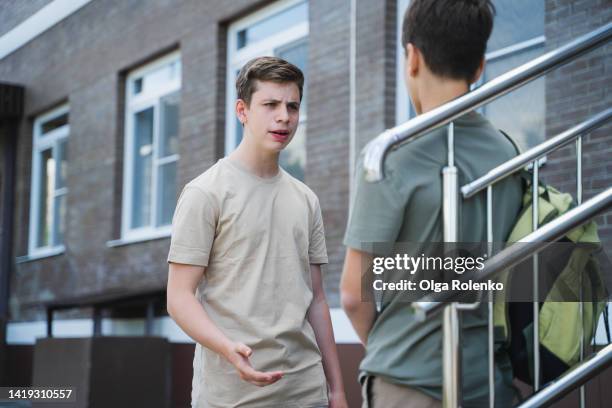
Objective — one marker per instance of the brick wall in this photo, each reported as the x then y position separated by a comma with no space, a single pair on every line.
574,93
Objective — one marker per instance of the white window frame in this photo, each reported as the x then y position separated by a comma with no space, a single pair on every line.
237,58
403,107
133,104
41,143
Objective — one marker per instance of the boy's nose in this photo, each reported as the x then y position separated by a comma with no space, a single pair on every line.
283,114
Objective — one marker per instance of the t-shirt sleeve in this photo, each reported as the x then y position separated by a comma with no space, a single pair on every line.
193,227
377,212
317,251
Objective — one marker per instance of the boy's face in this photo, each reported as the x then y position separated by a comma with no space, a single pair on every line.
272,117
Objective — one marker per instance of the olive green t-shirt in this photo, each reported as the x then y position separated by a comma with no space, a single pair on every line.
257,238
406,206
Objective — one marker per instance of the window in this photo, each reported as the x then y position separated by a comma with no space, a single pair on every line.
278,30
49,189
517,37
151,148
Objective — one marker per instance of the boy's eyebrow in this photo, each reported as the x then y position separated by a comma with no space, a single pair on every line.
279,101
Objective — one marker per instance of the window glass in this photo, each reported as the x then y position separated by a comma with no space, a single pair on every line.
143,149
516,21
49,181
270,25
521,112
60,218
297,54
167,193
45,198
152,150
62,163
169,125
54,123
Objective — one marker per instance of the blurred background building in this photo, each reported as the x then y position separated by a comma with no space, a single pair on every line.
109,107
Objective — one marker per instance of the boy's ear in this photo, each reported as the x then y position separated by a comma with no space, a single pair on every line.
241,108
413,61
479,71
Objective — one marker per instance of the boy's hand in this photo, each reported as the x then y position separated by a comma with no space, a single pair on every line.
238,354
337,400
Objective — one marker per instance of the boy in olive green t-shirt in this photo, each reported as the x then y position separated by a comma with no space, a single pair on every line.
445,43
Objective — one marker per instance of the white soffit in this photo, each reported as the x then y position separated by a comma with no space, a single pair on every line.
38,23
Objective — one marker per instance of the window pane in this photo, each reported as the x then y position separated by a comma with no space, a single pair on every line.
169,125
142,155
45,198
157,78
62,164
297,54
166,190
239,132
293,157
60,219
525,123
54,123
269,26
239,129
516,21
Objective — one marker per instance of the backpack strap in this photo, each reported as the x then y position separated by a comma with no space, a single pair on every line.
518,151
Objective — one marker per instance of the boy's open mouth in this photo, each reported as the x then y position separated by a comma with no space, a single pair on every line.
280,135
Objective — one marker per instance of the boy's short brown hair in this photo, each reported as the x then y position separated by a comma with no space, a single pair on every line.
271,69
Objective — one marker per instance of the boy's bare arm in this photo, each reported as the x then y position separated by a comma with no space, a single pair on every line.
320,320
189,314
361,314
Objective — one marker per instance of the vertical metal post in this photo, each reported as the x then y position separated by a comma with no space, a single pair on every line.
490,296
581,305
451,356
450,185
536,291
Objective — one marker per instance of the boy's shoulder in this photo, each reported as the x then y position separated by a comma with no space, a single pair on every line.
209,180
300,187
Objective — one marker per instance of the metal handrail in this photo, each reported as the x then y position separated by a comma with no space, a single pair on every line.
571,380
513,165
514,254
377,149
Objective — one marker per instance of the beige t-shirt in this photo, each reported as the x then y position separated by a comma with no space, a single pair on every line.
257,238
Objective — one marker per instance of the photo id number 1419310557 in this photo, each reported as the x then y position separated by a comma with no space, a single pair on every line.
66,394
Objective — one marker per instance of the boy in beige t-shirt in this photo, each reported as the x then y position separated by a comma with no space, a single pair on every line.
244,278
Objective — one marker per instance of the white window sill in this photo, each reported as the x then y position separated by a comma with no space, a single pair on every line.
149,236
41,253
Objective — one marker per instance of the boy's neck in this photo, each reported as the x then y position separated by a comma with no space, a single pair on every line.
436,91
262,164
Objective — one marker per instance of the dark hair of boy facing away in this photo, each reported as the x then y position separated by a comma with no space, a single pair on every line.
452,35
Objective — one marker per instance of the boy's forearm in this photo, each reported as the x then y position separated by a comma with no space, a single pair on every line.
191,317
362,316
320,320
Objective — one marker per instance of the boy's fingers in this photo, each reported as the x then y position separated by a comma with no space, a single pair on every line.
244,350
258,376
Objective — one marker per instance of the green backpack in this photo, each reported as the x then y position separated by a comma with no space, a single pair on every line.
559,313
